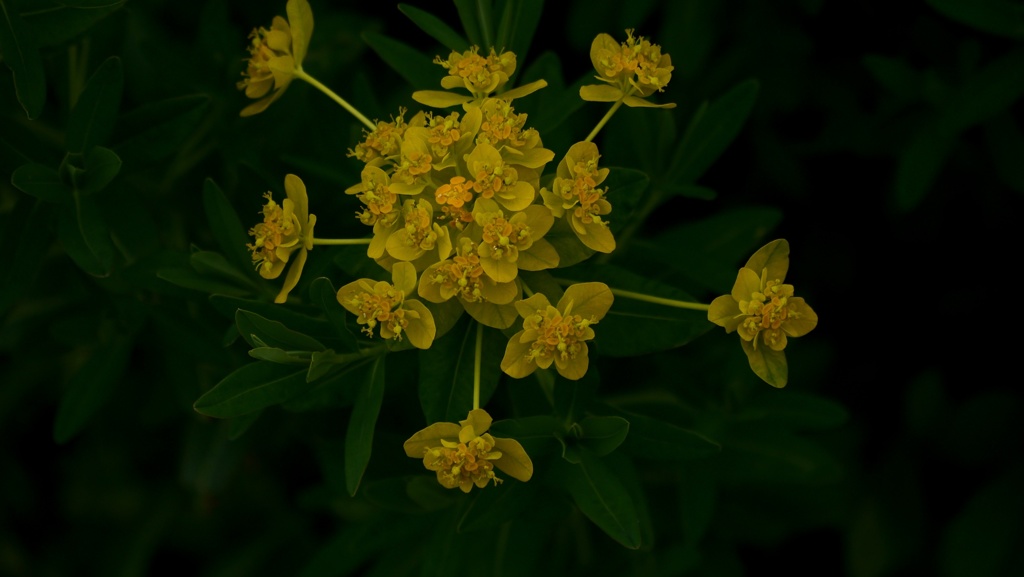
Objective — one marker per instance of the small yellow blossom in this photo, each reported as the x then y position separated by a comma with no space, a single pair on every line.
286,230
419,234
275,55
576,193
557,333
385,304
375,192
498,180
631,70
764,312
506,245
383,142
462,276
480,76
466,454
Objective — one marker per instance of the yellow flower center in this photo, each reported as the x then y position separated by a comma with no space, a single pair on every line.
558,334
419,225
490,180
384,141
444,132
767,311
277,230
463,464
581,194
501,238
382,306
380,203
501,125
258,67
461,276
456,193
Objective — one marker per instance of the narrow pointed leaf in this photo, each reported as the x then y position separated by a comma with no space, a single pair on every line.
446,372
602,497
41,182
91,387
273,333
250,388
359,438
435,27
21,54
92,119
417,69
325,296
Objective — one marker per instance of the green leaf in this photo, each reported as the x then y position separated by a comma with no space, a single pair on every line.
92,119
187,277
410,64
101,166
634,327
568,246
85,237
571,398
337,390
156,130
323,294
651,438
435,27
279,356
273,333
359,438
21,54
602,497
626,188
711,131
63,22
27,229
920,164
558,107
287,315
987,93
760,454
999,17
519,20
250,388
91,387
792,410
240,424
711,251
227,228
689,191
213,264
41,182
984,538
446,371
469,16
602,435
492,508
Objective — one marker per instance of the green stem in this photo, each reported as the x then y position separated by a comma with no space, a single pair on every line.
648,298
526,289
476,364
341,241
608,115
302,75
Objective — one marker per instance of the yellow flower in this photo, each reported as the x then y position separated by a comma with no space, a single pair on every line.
764,312
557,333
419,235
286,229
631,70
507,245
462,276
481,76
576,191
495,179
383,142
275,55
464,455
385,304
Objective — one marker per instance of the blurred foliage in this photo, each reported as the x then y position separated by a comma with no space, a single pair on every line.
160,415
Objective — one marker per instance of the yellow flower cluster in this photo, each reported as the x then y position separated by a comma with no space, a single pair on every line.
464,455
286,231
764,312
275,55
631,71
456,195
385,305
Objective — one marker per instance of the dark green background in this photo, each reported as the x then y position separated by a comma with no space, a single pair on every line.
885,144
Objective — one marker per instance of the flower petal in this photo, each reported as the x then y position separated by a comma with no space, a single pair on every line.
516,363
430,437
600,93
574,368
802,318
725,312
521,91
768,364
294,272
296,191
300,18
589,299
421,330
514,461
479,420
637,102
773,256
747,283
440,98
